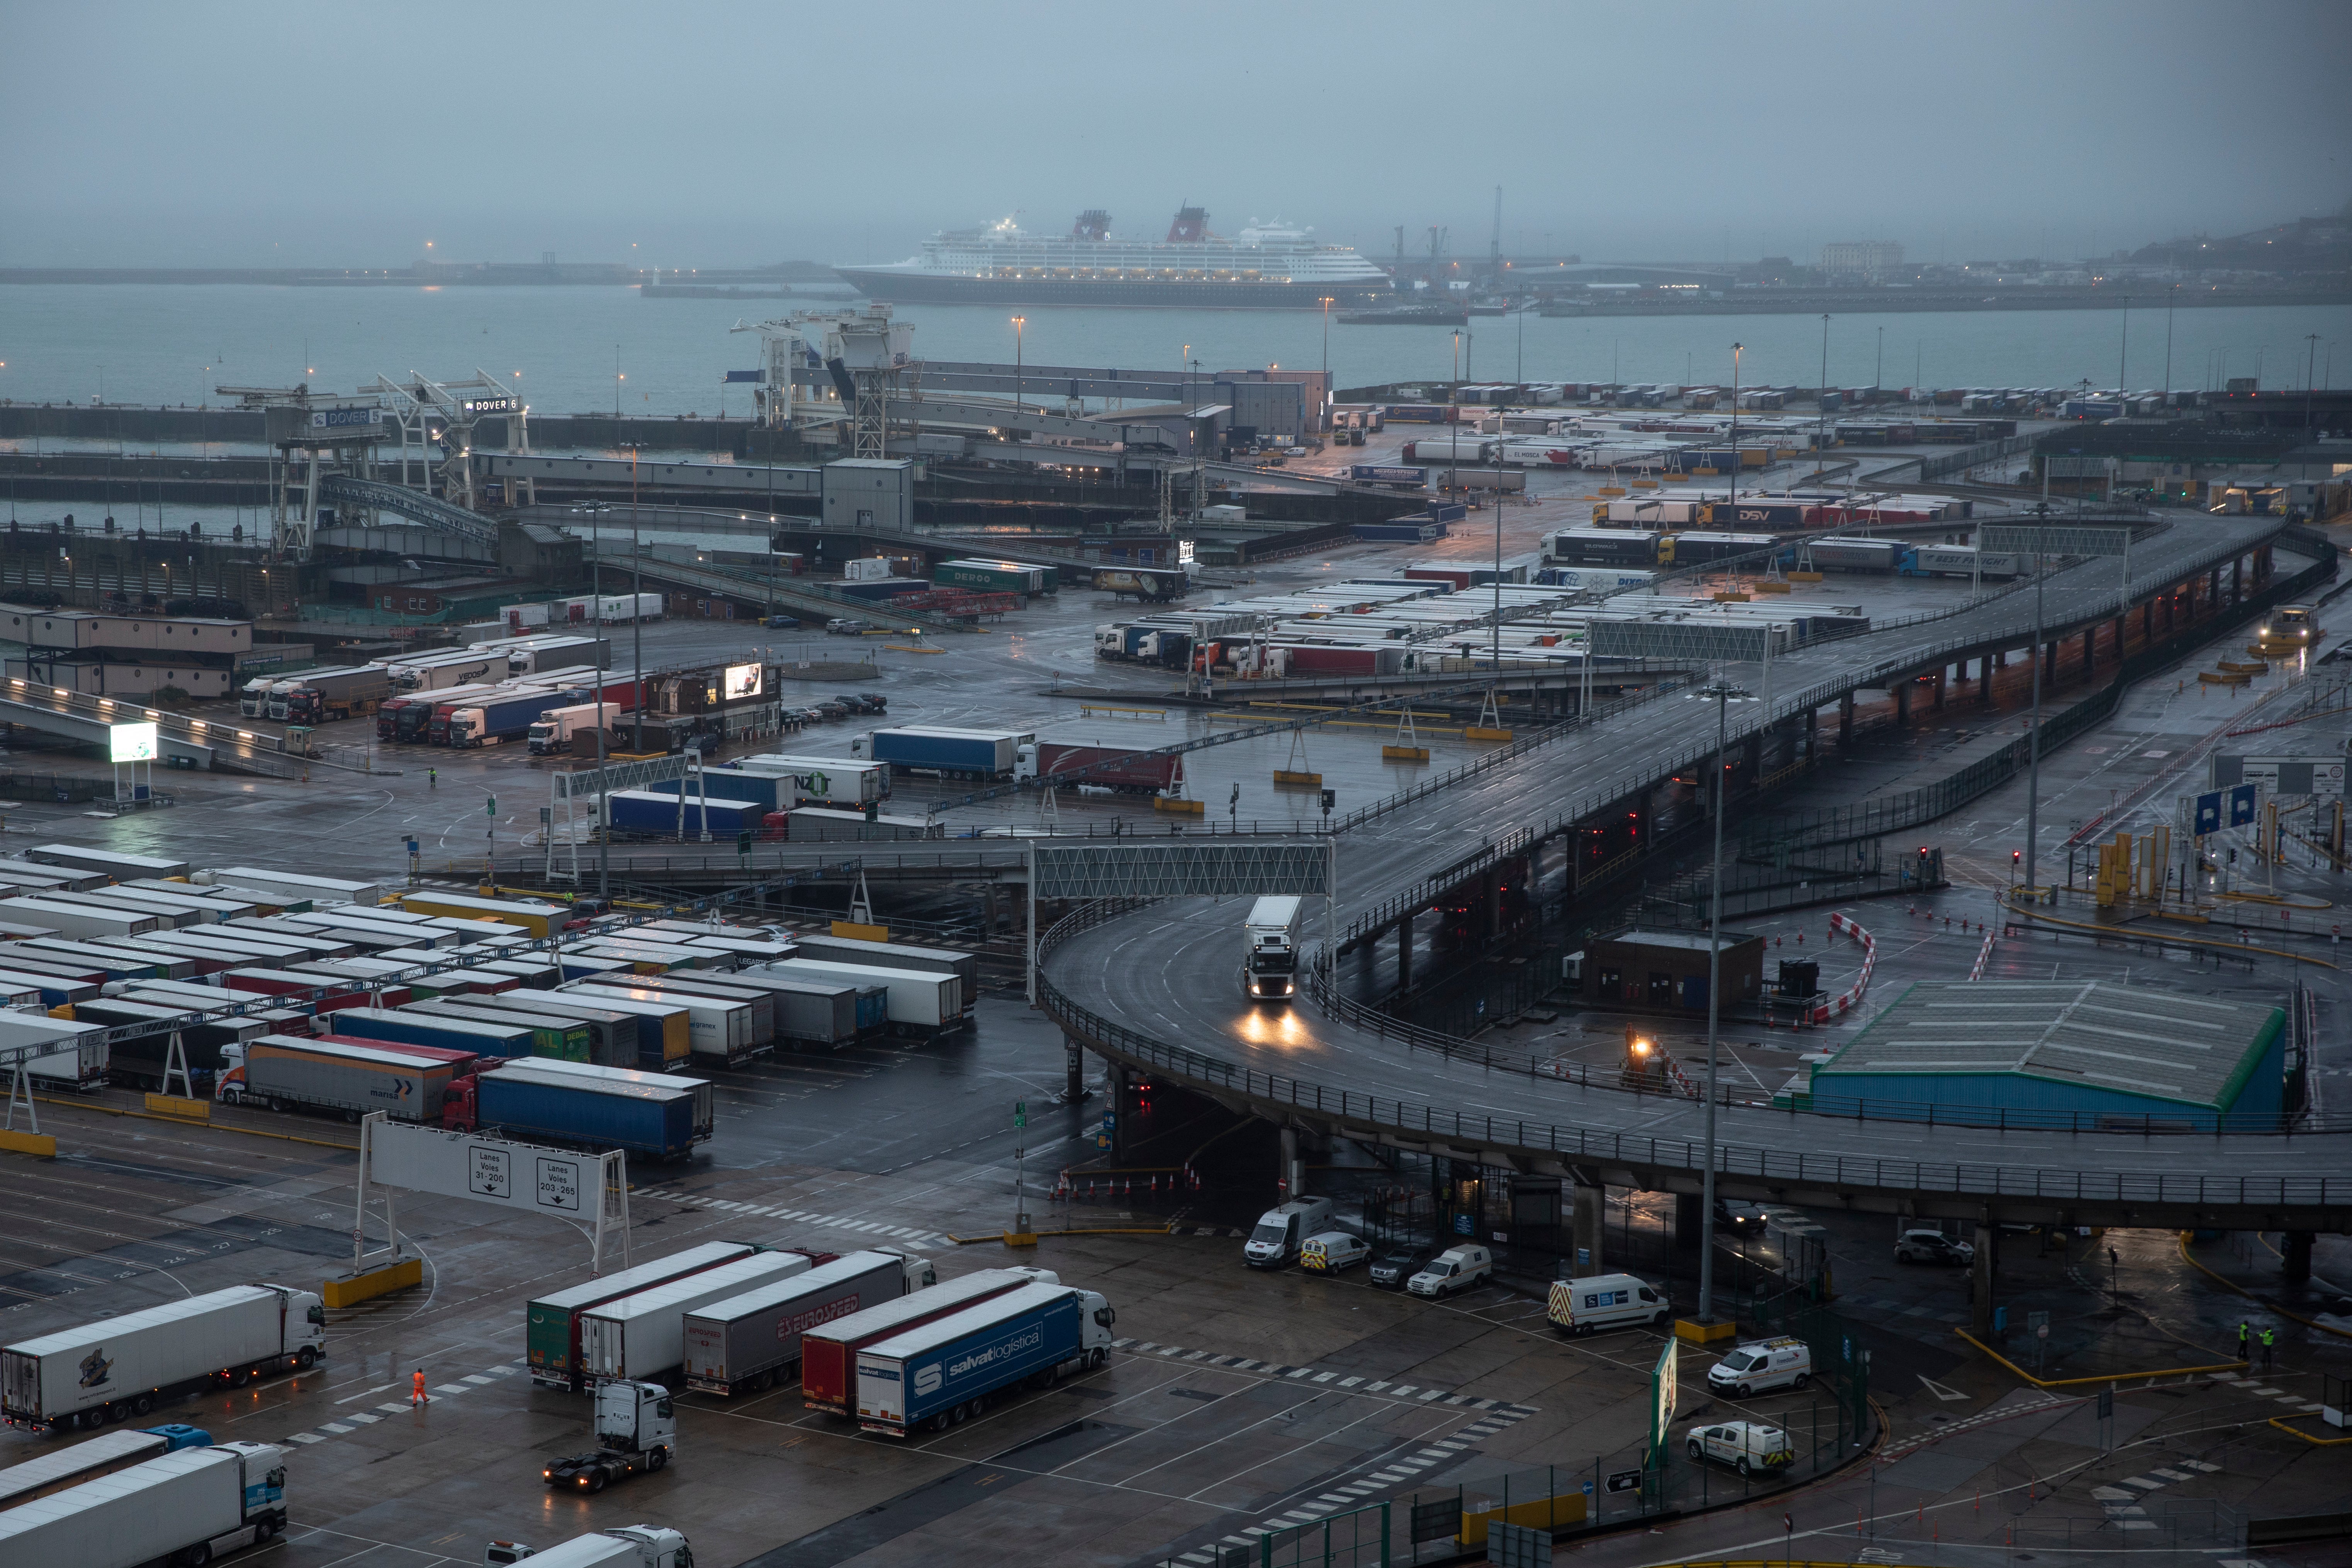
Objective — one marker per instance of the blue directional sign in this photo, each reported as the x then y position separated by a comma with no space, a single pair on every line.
2241,804
2209,813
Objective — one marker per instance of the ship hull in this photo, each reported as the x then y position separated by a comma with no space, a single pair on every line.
949,289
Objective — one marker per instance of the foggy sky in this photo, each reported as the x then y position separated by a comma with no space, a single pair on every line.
340,134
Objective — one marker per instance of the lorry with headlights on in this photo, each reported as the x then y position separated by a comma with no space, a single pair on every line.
622,1546
182,1508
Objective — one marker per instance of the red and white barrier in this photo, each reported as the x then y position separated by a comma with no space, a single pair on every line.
1840,925
1984,956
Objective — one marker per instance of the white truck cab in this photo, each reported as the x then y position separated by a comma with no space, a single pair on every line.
1751,1368
1453,1269
1279,1232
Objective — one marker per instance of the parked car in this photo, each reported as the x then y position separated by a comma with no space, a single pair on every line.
1393,1268
1764,1365
1332,1251
859,701
1454,1269
781,622
1747,1446
842,627
1932,1246
832,711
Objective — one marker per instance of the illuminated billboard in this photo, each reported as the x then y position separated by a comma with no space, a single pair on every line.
131,742
741,680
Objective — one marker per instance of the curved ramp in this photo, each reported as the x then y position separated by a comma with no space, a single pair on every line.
415,505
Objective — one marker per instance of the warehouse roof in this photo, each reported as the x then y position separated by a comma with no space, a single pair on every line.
2129,1039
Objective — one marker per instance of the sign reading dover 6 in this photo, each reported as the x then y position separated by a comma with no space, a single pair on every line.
454,1164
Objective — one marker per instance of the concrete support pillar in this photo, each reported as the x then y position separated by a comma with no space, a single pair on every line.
1981,1281
1404,953
2213,590
2295,1257
1589,1223
1903,702
1493,891
1074,1065
1687,1217
2123,624
1293,1171
1117,1083
2050,664
2237,581
1845,720
2148,622
1935,691
1812,734
2090,649
1985,667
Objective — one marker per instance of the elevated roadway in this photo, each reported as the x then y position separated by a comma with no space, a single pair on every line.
192,742
1157,987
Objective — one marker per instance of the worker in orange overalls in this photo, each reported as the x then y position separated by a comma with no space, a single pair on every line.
417,1394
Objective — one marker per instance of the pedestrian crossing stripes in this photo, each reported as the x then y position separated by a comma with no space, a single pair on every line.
1412,1394
351,1421
921,1241
1382,1477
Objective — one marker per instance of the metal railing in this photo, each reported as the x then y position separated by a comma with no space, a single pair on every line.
1614,1147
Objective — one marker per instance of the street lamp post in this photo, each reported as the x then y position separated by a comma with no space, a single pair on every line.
1725,694
2123,352
1821,404
617,379
637,610
1735,427
1019,323
2033,727
2171,297
2310,362
1327,362
1878,376
594,512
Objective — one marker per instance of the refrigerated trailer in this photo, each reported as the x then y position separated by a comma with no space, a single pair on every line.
552,1322
920,1002
125,1365
182,1508
743,1344
99,1456
642,1336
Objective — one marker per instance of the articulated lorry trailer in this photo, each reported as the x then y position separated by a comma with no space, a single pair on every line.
829,1352
182,1508
944,1372
823,949
538,1099
323,696
643,1336
919,1001
743,1344
951,753
291,1072
124,1366
552,1322
102,1456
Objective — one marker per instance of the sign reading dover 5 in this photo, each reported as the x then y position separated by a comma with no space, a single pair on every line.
459,1166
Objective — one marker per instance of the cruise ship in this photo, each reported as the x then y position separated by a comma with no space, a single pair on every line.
1262,267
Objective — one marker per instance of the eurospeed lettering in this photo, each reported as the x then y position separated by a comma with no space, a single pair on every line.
802,1323
1029,1339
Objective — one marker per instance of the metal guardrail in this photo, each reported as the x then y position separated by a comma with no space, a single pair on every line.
1611,1146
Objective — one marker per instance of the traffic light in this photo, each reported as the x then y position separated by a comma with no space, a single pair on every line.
2015,856
490,806
1330,799
873,810
743,842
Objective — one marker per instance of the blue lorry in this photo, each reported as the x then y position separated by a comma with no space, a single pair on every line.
952,753
424,1029
661,1116
937,1374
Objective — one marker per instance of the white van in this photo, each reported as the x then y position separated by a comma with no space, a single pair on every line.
1605,1301
1747,1446
1332,1251
1279,1231
1751,1368
1455,1269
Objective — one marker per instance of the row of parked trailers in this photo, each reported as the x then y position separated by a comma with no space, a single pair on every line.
451,975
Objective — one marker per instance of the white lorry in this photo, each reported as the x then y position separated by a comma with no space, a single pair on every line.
624,1546
553,729
122,1366
636,1429
184,1508
643,1335
1270,949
